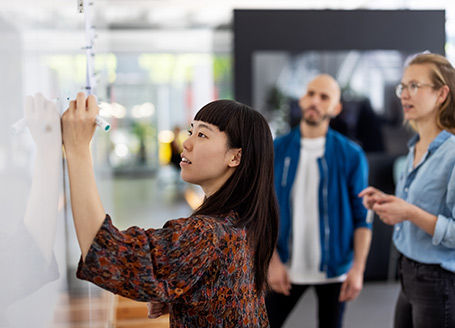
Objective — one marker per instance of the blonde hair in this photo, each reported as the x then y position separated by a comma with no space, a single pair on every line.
442,73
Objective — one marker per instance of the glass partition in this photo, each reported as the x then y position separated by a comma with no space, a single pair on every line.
371,113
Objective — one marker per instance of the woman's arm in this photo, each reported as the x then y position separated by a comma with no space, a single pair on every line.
392,210
444,232
154,264
78,126
424,220
88,211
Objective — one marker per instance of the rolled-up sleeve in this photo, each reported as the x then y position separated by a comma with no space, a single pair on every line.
358,180
444,232
153,264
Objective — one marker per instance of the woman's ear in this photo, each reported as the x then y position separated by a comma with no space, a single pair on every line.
236,157
443,93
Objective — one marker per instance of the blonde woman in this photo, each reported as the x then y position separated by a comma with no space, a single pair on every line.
423,210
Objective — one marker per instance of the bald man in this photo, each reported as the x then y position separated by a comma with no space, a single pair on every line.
324,235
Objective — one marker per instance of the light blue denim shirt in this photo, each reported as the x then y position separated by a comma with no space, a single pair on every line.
430,186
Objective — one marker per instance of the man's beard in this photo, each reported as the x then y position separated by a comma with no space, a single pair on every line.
316,122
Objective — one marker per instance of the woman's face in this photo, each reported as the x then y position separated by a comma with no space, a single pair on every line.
206,159
419,99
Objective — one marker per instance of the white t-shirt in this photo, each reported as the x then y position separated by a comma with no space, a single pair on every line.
306,241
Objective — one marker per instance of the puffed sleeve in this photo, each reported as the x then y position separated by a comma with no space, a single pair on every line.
444,232
154,264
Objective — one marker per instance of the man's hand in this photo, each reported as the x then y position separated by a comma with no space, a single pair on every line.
278,277
157,309
352,286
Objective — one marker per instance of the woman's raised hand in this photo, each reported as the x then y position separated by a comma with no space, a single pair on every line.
78,123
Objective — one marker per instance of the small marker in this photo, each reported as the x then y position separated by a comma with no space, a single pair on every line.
370,216
102,123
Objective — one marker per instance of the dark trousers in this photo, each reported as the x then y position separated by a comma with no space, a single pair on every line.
427,296
330,310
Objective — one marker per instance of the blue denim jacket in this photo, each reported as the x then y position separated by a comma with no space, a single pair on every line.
343,174
430,186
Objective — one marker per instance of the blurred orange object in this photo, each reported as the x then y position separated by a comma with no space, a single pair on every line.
132,314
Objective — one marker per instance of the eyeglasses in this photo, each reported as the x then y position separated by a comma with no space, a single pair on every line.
412,87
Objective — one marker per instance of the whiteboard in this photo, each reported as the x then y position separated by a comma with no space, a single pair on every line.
38,247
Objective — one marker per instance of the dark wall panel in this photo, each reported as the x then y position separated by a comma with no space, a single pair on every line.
300,30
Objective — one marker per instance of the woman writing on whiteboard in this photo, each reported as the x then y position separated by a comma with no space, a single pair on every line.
211,267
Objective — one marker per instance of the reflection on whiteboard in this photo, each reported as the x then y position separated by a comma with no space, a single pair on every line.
27,247
43,121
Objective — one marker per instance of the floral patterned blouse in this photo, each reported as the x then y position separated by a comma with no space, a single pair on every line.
200,265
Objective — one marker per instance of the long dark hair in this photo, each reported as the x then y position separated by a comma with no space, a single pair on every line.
249,190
